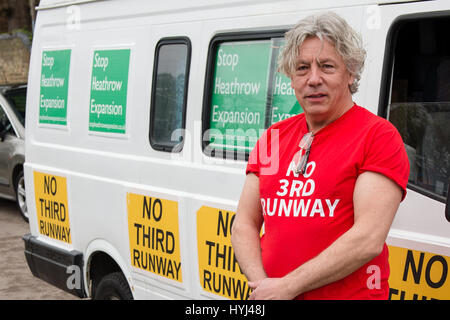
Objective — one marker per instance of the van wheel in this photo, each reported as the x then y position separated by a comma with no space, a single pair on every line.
113,286
21,199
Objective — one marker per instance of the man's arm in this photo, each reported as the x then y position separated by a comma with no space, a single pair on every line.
245,235
376,199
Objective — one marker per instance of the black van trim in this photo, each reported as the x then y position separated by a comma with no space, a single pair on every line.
447,205
386,76
51,264
207,92
161,42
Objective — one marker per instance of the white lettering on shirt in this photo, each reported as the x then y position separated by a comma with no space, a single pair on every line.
292,195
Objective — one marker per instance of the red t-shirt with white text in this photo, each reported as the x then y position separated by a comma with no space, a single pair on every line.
304,214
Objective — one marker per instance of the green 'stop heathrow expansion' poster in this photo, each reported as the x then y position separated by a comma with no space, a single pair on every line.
109,83
239,95
54,86
248,94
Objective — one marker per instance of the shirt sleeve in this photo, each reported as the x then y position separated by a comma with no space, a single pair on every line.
385,153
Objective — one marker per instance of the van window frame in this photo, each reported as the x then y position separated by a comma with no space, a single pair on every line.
387,73
168,41
209,77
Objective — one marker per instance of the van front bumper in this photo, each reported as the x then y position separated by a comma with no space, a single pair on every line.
61,268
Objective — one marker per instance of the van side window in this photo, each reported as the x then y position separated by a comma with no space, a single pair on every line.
244,93
420,102
169,94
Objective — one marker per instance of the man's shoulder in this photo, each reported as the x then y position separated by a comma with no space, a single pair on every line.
370,120
375,129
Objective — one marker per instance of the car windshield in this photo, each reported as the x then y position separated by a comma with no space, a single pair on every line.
17,99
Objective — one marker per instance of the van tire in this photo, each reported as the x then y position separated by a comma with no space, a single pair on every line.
113,286
19,189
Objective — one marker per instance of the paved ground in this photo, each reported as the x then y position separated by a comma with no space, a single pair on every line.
16,280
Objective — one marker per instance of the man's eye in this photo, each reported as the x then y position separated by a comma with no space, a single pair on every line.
327,66
302,68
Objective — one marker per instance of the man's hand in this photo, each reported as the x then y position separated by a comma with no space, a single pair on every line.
270,289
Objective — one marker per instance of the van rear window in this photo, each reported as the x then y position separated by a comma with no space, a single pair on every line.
244,93
169,94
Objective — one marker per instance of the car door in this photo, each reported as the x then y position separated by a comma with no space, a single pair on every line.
7,142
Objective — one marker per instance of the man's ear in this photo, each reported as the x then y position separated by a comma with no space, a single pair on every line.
351,80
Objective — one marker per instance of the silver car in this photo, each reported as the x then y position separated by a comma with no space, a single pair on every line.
12,145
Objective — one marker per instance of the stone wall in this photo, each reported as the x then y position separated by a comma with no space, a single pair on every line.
16,20
14,58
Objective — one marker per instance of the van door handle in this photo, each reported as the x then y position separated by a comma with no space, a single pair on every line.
447,205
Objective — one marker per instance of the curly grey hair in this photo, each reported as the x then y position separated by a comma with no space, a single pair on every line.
333,28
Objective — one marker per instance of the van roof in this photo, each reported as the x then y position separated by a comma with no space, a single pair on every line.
172,4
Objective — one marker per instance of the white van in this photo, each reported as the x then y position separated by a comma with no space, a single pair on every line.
141,116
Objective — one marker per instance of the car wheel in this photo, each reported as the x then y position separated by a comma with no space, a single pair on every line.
113,286
21,196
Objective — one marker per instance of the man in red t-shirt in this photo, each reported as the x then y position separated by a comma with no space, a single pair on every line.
326,183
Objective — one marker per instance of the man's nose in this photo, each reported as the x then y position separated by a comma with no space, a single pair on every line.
315,77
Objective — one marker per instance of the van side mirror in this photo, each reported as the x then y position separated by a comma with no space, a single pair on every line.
447,205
